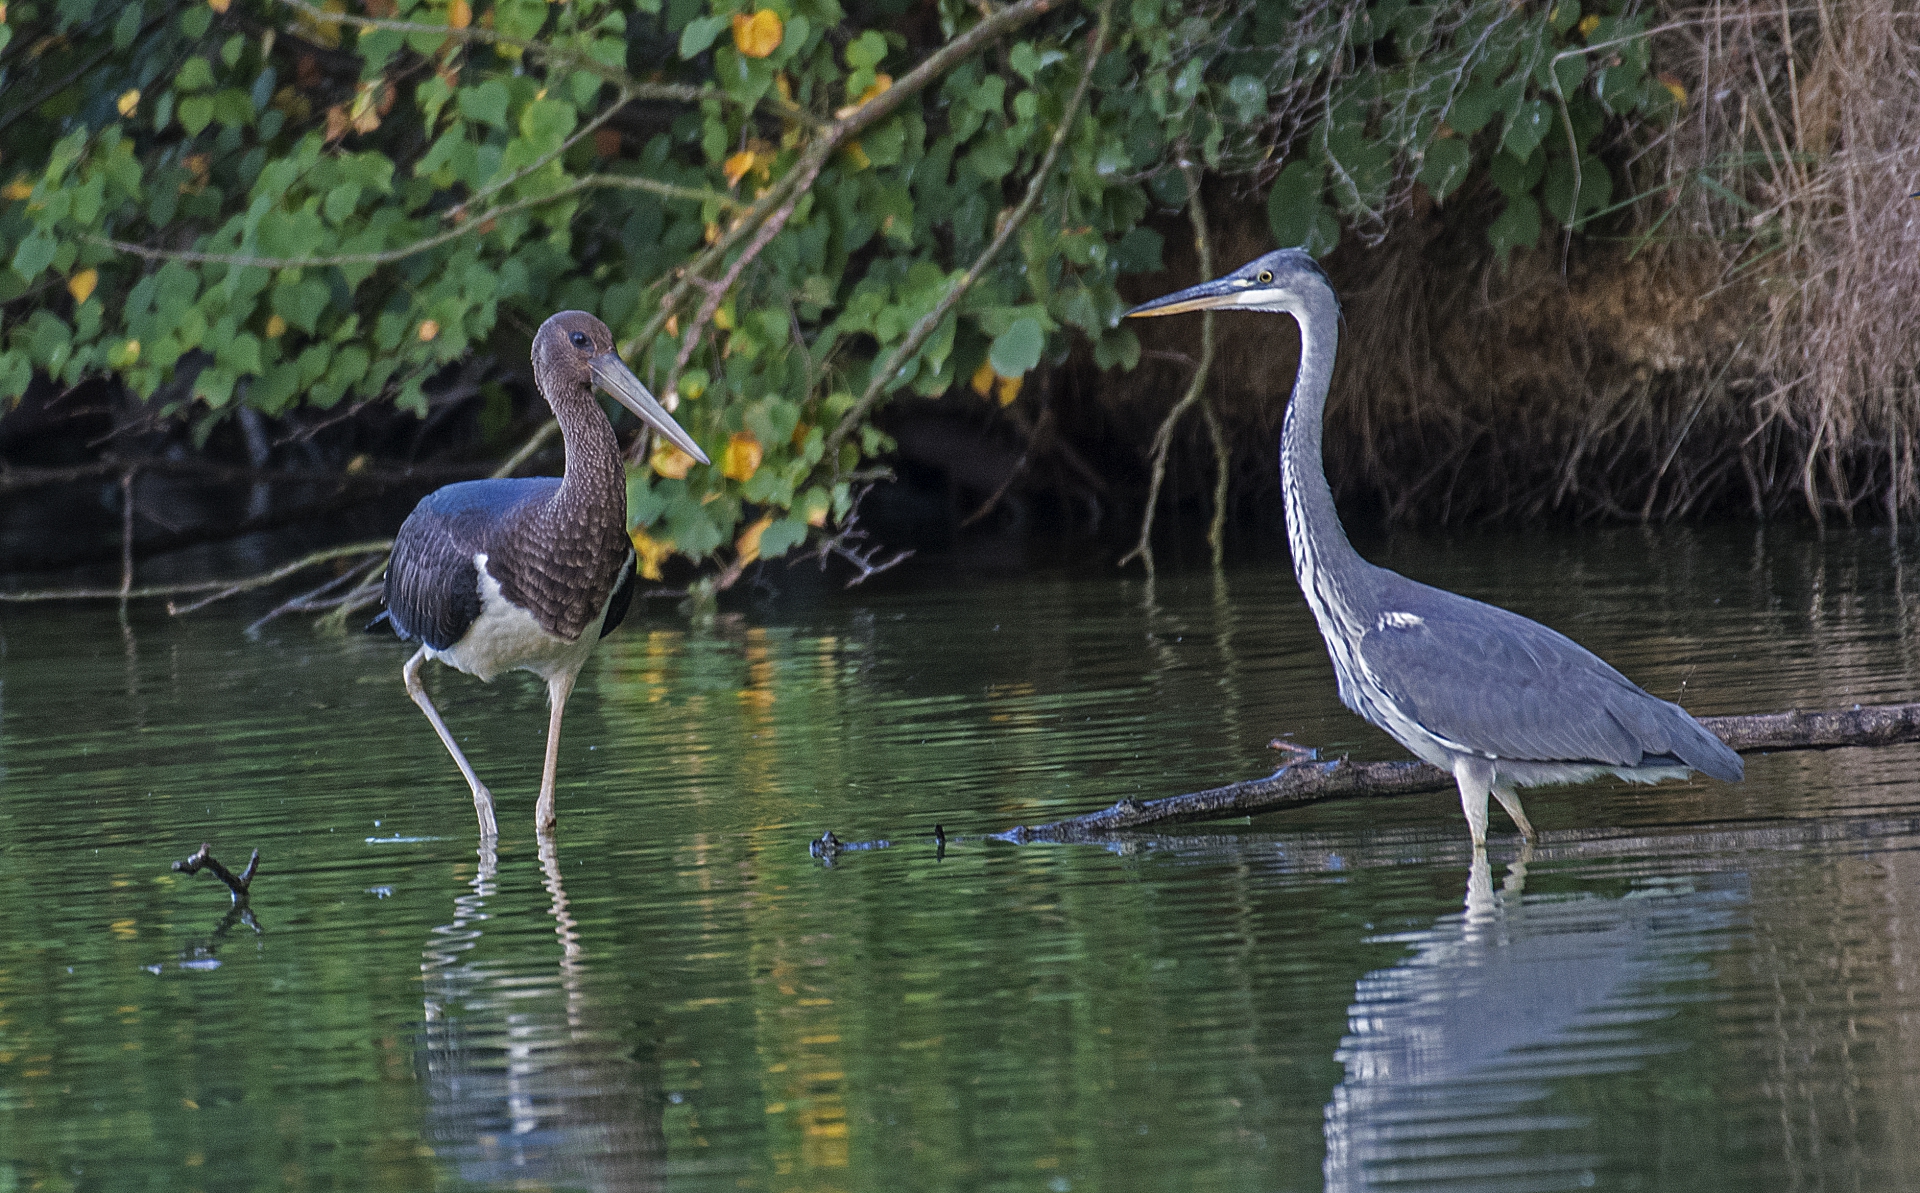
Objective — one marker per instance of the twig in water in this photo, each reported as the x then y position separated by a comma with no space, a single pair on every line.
847,544
203,859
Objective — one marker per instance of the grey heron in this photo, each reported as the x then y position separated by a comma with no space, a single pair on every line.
1495,699
529,573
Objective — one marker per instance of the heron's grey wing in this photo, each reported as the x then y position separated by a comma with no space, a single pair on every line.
1503,685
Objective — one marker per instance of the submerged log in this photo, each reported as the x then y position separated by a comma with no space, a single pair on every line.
1310,782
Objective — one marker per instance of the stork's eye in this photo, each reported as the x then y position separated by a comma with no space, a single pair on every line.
581,341
1266,275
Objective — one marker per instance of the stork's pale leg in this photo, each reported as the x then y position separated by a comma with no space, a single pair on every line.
559,687
482,798
1475,779
1510,800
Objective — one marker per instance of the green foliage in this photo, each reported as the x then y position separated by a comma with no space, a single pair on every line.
262,204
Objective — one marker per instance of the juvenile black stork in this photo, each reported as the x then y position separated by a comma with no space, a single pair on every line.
529,573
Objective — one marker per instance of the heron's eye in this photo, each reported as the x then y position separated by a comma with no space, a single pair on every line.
580,340
1266,275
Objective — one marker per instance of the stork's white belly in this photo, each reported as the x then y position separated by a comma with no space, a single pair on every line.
506,637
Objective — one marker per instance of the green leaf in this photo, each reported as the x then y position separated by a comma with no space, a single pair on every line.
34,255
1296,212
867,51
699,34
1249,96
781,537
196,74
486,103
1527,127
1517,227
1444,167
302,303
1017,349
196,112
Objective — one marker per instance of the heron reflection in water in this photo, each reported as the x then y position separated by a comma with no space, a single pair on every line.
1493,698
1446,1052
528,1083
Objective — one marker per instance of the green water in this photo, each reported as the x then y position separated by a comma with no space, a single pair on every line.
1686,986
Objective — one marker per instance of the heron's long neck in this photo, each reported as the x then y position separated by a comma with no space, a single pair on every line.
1323,560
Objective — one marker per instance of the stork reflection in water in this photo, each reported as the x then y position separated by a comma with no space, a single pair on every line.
1497,700
529,573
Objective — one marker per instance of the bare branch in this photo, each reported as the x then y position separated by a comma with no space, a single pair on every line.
223,587
203,859
1163,438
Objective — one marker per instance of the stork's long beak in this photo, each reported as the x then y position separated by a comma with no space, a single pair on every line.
612,374
1207,296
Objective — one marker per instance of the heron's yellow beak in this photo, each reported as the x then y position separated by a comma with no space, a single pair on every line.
1207,296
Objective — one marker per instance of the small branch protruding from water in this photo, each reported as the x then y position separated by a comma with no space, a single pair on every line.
203,859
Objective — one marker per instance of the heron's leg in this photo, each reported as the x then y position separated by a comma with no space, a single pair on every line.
1474,776
559,687
1510,800
482,798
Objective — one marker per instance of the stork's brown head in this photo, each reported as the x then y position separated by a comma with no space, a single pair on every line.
574,350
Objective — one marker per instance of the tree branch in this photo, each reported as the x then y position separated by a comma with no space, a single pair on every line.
203,859
1313,781
1163,438
223,588
466,228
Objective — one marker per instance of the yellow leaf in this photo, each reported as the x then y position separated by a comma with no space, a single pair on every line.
748,544
817,512
429,328
669,461
124,355
855,157
1008,389
982,380
219,6
741,458
673,326
737,167
276,327
81,284
1587,25
758,35
1674,87
723,317
712,232
650,552
19,188
129,101
459,14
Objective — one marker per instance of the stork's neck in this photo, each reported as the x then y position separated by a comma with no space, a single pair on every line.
594,483
1325,563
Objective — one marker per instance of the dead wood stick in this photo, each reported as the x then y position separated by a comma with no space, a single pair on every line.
203,859
1312,781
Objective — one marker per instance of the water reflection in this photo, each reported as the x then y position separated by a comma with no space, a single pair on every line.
527,1084
1449,1053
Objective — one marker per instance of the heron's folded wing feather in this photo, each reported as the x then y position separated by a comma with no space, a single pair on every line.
1503,685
